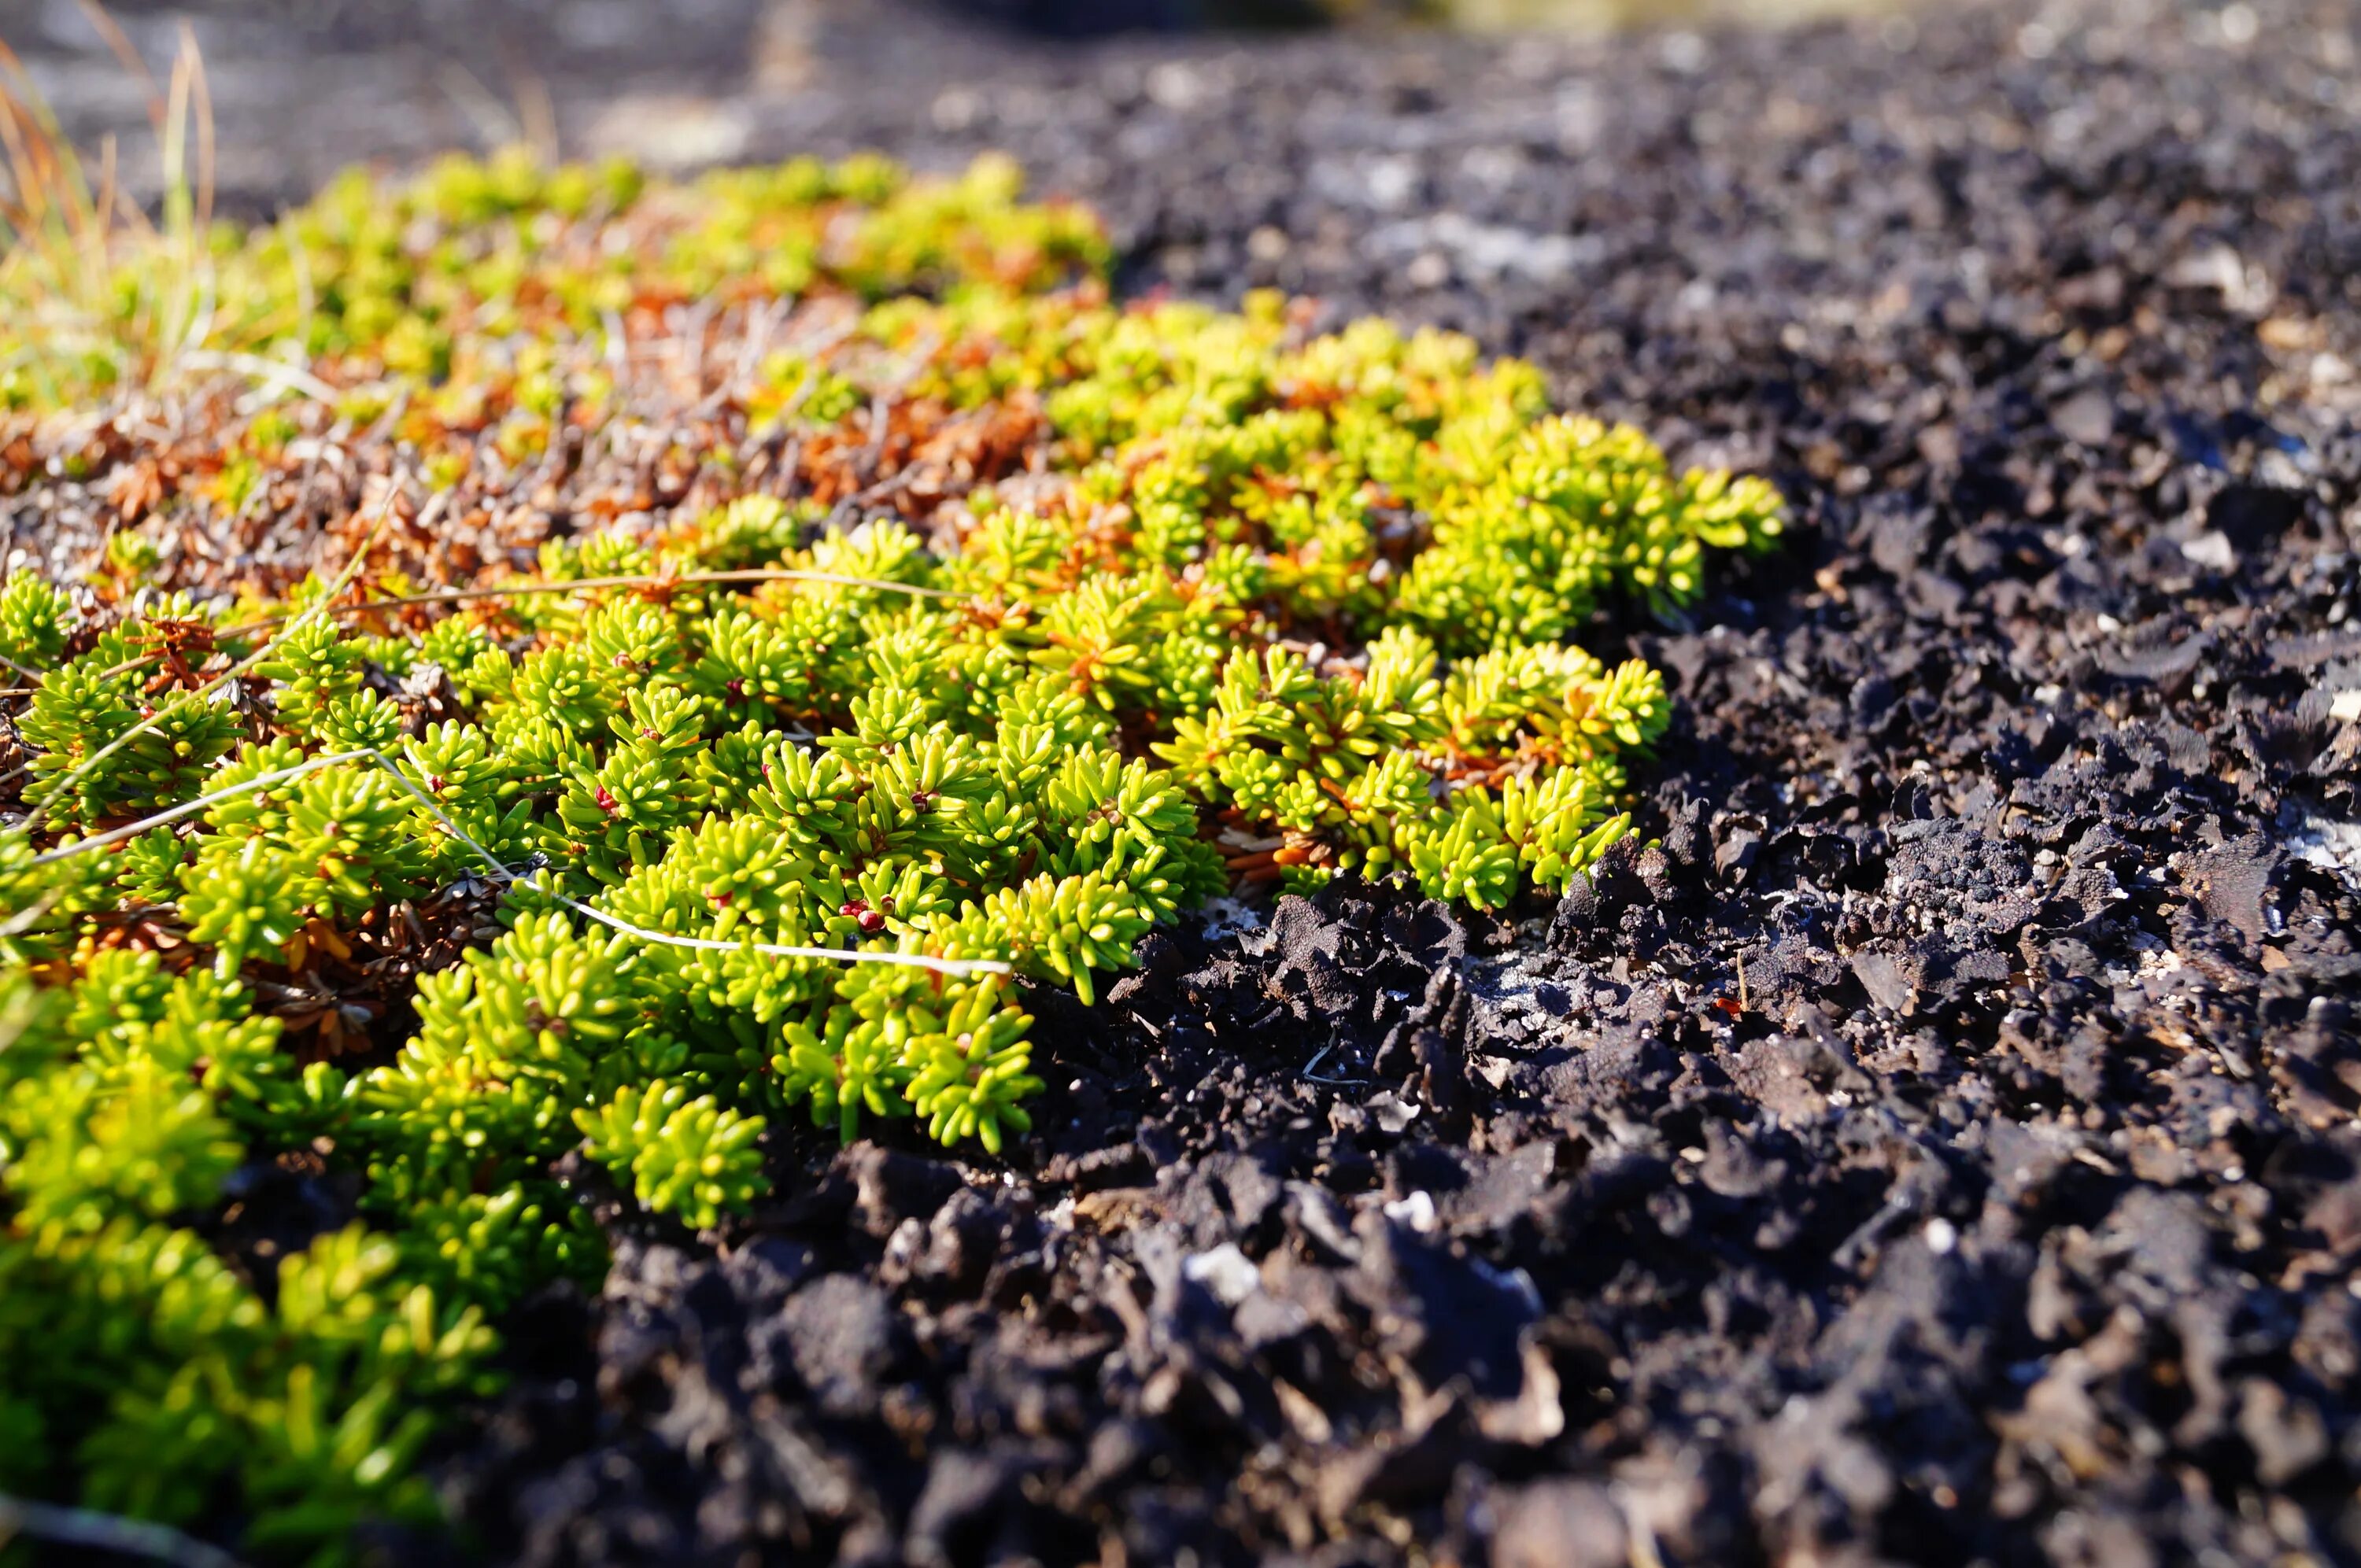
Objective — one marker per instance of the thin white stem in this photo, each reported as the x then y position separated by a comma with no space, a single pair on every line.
777,949
508,876
271,372
190,807
342,578
92,1531
700,944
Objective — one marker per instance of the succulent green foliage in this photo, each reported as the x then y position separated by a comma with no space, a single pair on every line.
35,619
133,1359
1253,608
86,712
691,1156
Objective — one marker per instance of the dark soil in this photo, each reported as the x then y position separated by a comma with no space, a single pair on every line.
1939,1147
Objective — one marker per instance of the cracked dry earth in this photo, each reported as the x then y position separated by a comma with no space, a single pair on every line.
1938,1146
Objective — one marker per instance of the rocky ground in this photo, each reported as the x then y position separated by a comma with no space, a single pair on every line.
1939,1146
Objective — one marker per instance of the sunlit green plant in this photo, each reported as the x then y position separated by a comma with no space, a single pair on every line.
785,806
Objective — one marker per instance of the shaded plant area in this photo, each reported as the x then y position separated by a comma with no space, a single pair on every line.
549,679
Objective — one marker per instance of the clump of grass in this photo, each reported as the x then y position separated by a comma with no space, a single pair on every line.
96,294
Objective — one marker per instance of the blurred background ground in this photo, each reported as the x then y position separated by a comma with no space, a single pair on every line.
301,88
1458,173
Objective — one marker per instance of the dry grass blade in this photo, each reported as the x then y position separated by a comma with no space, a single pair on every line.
185,312
119,44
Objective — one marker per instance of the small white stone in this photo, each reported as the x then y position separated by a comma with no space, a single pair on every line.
1390,182
1228,1273
672,131
1417,1212
2213,549
1174,85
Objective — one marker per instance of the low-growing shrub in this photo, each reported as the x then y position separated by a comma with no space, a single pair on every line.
1010,624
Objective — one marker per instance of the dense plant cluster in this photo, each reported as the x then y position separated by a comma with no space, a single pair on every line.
375,278
1018,623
